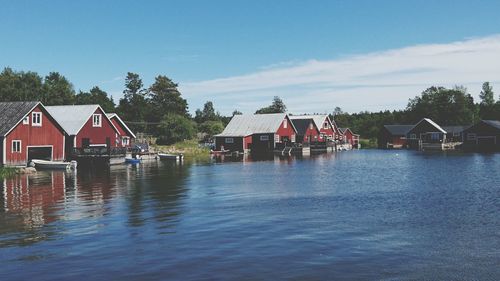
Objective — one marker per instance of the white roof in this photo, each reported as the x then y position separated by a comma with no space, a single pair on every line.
73,117
318,119
114,115
433,124
245,125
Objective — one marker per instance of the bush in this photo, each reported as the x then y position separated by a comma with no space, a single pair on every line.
174,128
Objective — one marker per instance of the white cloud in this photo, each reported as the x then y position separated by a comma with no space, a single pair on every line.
374,81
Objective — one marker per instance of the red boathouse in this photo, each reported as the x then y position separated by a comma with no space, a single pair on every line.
28,131
87,126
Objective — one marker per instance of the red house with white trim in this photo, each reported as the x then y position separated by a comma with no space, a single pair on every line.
349,137
86,126
326,128
257,132
28,131
126,136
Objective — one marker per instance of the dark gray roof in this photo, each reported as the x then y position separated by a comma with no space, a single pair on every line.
12,113
455,129
493,123
398,130
301,125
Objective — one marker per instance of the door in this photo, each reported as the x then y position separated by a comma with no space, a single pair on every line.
40,153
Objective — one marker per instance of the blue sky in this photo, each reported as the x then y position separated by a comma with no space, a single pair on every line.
359,55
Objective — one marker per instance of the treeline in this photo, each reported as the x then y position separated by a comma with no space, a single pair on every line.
445,106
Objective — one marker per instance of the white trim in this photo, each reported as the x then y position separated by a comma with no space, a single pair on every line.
96,145
64,147
4,147
85,122
35,146
12,146
38,124
26,120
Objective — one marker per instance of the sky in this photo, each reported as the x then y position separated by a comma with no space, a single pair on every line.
315,55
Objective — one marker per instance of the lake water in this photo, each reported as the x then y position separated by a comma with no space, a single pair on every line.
355,215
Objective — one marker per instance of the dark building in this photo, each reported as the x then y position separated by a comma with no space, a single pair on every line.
483,136
393,136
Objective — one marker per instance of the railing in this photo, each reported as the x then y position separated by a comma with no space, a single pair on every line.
98,151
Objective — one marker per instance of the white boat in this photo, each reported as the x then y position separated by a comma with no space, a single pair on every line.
167,156
45,164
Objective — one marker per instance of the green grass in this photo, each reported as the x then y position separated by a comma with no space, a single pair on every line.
368,143
189,148
6,172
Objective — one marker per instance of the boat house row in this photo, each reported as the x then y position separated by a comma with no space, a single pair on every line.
30,130
277,132
428,135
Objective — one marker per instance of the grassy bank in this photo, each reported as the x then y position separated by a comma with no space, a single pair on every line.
6,172
189,148
368,143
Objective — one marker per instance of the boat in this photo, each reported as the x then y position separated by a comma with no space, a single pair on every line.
46,164
132,160
218,152
167,156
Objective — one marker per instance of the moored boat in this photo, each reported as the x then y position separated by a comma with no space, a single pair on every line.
45,164
132,160
168,156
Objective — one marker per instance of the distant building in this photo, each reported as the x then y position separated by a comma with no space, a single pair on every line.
426,133
257,132
307,131
485,135
328,130
348,137
28,131
126,136
393,136
455,133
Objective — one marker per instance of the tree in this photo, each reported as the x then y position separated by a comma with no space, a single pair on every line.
133,86
133,106
211,128
174,128
237,112
96,96
20,86
57,90
166,98
487,106
207,114
278,106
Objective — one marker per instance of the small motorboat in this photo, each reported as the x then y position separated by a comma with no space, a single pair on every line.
167,156
219,152
46,164
132,160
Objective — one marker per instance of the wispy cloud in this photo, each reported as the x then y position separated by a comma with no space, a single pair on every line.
373,81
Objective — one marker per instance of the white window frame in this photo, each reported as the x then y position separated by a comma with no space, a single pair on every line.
94,123
14,149
471,136
285,123
125,141
26,120
229,140
326,125
38,122
277,138
311,126
264,138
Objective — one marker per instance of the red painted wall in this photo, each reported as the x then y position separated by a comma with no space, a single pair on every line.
122,131
48,134
97,135
247,142
328,132
348,136
311,133
288,131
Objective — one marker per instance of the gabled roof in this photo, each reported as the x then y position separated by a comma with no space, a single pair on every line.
114,115
302,125
245,125
72,118
398,130
343,130
455,129
432,123
493,123
318,119
12,113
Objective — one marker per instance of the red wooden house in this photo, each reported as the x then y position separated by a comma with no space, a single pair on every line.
28,131
393,136
326,128
307,131
349,137
258,133
126,136
87,126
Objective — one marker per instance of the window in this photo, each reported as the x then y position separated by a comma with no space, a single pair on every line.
456,134
413,136
264,138
471,136
435,136
326,125
311,126
96,120
229,140
16,146
277,138
26,120
125,141
293,138
285,124
36,119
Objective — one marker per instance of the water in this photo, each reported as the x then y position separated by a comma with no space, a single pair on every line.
357,215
